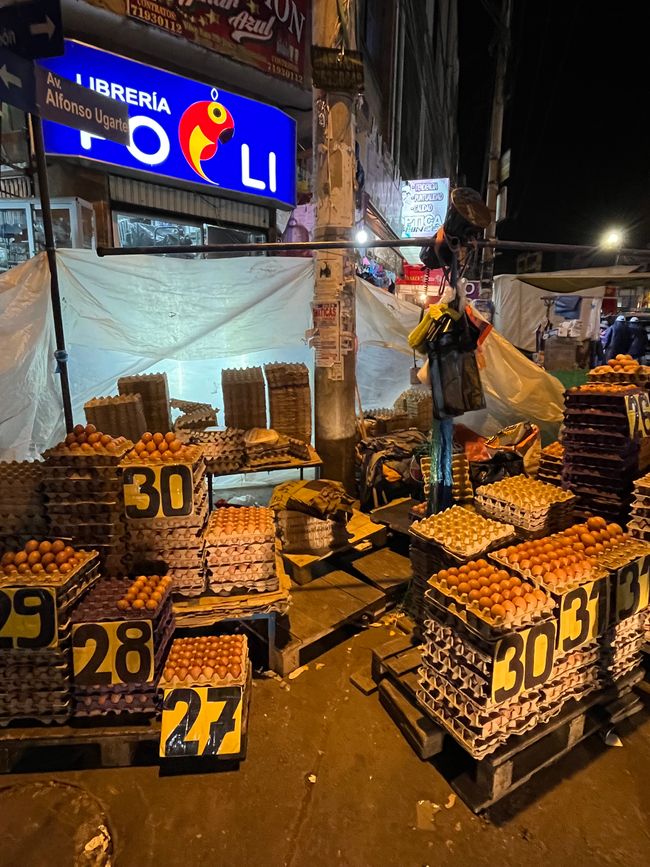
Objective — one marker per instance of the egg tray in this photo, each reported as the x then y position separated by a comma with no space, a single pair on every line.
623,554
61,456
538,580
580,396
140,703
59,716
597,420
215,680
533,521
215,535
182,537
628,628
173,557
101,604
450,557
58,580
195,521
191,457
187,582
258,552
248,572
243,588
34,523
594,440
445,596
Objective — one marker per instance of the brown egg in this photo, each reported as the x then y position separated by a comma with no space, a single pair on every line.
222,671
123,604
498,611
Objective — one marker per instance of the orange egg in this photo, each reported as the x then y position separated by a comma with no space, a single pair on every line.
155,455
508,607
475,595
443,574
474,584
163,447
515,592
452,581
497,598
33,558
497,611
540,595
464,587
158,438
520,603
587,540
147,437
484,581
31,546
506,593
473,575
45,547
175,446
485,602
170,437
57,546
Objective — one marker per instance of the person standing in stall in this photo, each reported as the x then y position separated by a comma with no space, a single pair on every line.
617,338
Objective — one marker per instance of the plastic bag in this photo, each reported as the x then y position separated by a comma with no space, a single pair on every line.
500,466
522,439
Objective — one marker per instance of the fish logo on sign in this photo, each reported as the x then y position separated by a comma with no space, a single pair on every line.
203,126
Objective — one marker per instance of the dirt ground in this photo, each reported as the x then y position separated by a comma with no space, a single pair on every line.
329,780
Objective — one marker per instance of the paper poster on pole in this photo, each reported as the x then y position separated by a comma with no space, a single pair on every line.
326,335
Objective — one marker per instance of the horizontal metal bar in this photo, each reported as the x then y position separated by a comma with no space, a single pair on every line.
303,246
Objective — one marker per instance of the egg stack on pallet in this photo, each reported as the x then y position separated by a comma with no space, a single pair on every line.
449,538
601,457
154,391
289,399
175,541
550,464
117,416
22,510
224,451
137,617
244,398
622,368
533,507
39,587
82,488
240,551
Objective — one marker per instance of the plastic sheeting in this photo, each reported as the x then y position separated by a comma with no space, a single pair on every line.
190,318
519,310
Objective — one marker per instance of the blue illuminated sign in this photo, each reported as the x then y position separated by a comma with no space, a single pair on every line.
180,128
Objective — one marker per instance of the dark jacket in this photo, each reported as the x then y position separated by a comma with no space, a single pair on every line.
617,339
639,340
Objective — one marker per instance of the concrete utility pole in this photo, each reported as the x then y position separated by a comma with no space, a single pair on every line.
334,290
496,135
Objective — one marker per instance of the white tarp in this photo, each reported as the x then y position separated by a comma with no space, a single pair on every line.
191,318
519,310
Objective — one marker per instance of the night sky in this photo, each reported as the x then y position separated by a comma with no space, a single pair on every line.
576,114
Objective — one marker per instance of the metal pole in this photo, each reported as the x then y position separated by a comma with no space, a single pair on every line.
61,354
302,246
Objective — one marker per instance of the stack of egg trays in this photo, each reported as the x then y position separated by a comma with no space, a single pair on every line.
121,415
244,398
455,686
289,399
305,534
622,647
550,469
529,523
241,567
35,685
22,510
462,491
85,503
154,391
175,542
639,524
134,698
224,451
601,459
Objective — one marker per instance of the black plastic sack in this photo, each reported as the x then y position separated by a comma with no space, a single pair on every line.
500,466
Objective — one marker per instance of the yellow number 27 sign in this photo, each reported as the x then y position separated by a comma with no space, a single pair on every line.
201,721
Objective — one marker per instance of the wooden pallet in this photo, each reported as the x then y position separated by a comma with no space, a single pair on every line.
321,614
396,515
516,762
365,534
385,570
107,742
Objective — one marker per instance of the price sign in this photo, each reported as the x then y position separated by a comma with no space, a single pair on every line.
523,660
638,414
158,491
28,618
201,721
583,615
632,588
114,652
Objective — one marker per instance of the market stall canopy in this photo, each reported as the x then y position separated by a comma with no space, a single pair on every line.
578,279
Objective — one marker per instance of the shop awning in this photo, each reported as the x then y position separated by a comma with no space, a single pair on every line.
586,278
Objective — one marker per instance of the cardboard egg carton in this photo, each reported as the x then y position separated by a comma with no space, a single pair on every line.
154,391
140,702
188,581
244,398
289,399
475,536
257,552
196,416
62,456
224,451
207,675
101,605
236,573
237,526
194,522
242,587
305,534
121,415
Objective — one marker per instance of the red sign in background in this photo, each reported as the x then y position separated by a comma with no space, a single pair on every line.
272,35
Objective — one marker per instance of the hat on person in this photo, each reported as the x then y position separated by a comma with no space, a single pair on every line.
620,318
634,318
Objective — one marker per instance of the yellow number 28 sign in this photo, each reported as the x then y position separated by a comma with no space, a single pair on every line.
201,721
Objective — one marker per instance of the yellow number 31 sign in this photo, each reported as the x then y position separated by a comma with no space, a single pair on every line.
201,721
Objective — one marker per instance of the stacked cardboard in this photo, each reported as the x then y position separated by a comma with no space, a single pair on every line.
289,399
639,523
175,542
240,551
533,507
35,672
195,416
304,534
154,391
113,601
462,491
550,464
224,451
601,458
85,503
417,404
117,416
22,510
244,398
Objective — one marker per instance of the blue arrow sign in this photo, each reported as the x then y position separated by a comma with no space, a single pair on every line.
32,28
17,84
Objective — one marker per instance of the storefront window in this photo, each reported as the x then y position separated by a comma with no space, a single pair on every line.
14,237
137,230
61,226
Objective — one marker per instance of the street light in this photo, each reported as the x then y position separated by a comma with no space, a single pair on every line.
613,240
362,237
